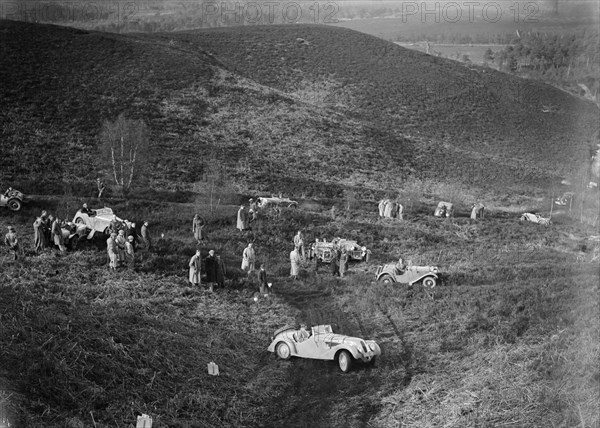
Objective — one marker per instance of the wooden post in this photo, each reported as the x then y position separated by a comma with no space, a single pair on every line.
551,205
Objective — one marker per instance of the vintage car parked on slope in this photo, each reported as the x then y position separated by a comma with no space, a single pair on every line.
12,199
391,272
322,252
274,201
99,220
535,218
321,343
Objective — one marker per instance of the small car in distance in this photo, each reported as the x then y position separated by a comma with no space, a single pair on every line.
321,343
391,273
535,218
323,251
274,201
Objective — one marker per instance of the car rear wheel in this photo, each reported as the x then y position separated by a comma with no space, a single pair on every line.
79,220
386,279
283,351
429,282
14,204
293,206
345,361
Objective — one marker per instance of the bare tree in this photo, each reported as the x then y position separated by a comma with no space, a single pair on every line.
125,144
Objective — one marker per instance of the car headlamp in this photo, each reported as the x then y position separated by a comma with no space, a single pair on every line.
372,346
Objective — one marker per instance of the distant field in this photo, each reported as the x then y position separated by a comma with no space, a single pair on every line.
411,30
474,52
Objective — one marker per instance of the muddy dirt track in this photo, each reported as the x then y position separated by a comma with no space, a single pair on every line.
318,394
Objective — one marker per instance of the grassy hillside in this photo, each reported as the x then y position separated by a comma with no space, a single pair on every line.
276,99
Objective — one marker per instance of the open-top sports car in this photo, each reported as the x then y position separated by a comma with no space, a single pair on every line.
321,343
274,201
536,218
323,251
392,272
98,220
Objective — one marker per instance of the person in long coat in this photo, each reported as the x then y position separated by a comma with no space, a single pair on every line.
263,285
57,237
242,219
295,263
12,241
258,219
343,262
111,248
46,226
248,259
120,240
39,235
333,265
130,252
211,267
221,272
146,235
299,243
195,272
197,226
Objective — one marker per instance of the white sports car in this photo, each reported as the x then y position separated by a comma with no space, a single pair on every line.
322,343
98,220
273,201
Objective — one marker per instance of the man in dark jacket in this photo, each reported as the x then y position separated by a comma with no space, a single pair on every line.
221,272
211,267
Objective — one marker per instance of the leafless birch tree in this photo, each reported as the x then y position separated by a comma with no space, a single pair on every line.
125,144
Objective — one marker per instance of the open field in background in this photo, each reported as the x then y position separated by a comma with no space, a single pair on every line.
510,338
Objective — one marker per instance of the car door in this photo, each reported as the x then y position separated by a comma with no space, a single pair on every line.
309,347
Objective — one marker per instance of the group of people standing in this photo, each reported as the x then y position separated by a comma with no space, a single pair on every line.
338,264
123,243
47,231
214,267
251,218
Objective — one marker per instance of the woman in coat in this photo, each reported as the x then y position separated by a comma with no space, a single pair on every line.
195,262
130,252
242,219
57,237
197,226
295,263
120,240
39,235
248,259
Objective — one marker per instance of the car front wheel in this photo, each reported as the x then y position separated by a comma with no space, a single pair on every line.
79,220
345,361
283,351
429,282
